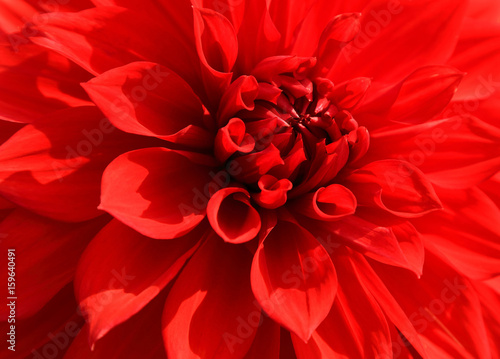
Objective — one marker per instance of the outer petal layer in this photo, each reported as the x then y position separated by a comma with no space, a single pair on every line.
293,279
160,193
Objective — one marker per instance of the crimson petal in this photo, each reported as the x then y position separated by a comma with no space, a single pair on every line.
46,255
356,327
232,216
144,190
111,285
395,186
293,279
196,302
148,99
42,164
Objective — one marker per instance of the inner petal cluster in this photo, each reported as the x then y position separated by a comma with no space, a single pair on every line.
290,131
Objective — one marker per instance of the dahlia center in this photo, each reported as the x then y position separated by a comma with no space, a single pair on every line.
289,132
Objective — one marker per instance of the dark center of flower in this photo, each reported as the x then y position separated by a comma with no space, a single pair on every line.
292,131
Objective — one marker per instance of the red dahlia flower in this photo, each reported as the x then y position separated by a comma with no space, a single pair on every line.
250,179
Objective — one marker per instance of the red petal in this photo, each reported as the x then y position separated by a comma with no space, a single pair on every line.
411,34
46,255
379,243
419,97
395,186
225,306
348,94
138,337
341,30
121,271
466,233
478,53
293,279
438,304
270,68
232,216
42,165
103,38
35,82
160,193
13,16
273,192
258,37
266,343
288,17
48,331
231,9
250,168
233,138
327,203
217,47
239,96
458,152
372,283
149,99
356,327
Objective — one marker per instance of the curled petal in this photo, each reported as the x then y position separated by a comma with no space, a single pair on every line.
217,47
327,203
233,138
239,96
232,216
272,192
254,165
217,44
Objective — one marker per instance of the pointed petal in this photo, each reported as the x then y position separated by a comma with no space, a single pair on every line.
457,152
115,279
379,243
258,36
106,37
477,54
217,47
338,33
138,337
372,283
46,255
196,302
356,327
42,164
466,233
420,97
412,34
438,304
293,279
